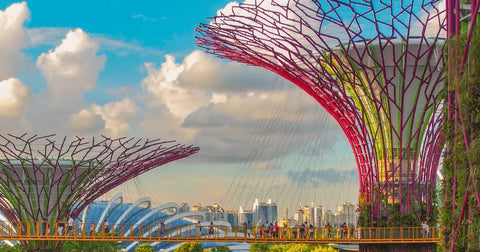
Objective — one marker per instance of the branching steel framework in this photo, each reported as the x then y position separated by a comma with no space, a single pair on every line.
375,66
45,178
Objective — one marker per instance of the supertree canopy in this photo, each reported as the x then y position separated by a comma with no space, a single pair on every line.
46,178
375,66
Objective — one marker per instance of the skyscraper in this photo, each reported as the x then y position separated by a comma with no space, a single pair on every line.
264,212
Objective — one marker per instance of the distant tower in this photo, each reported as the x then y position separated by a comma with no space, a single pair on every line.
375,66
44,178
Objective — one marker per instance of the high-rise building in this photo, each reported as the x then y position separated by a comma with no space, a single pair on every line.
232,217
329,218
305,214
212,213
245,216
346,214
264,212
298,216
318,216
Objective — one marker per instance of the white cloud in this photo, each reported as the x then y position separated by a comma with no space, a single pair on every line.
218,98
202,71
13,96
158,121
261,126
87,121
116,116
71,68
163,84
201,80
46,35
12,39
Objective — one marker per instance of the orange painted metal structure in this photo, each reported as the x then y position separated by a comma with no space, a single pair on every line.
55,231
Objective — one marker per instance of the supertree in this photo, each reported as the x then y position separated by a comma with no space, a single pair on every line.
461,169
375,66
44,178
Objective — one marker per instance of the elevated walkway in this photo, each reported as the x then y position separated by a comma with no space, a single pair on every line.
192,233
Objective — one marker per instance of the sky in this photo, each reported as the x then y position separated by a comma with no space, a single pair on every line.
119,68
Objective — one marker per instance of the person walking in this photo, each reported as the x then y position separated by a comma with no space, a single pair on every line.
210,229
162,228
277,229
426,228
198,231
245,229
80,228
328,230
44,225
70,226
106,227
92,228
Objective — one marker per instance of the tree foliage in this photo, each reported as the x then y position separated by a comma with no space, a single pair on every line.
87,246
221,248
259,247
293,247
5,248
190,247
460,212
391,216
144,247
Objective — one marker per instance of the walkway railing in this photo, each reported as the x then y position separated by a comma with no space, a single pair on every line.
158,233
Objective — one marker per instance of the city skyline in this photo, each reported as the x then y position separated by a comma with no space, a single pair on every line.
264,212
136,71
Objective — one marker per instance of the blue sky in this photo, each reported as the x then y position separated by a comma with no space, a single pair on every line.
123,68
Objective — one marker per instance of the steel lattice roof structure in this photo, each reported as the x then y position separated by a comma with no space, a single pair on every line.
375,66
49,178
